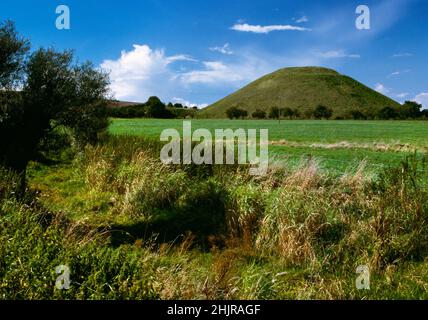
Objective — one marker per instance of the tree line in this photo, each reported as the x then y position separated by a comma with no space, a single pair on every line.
409,110
153,108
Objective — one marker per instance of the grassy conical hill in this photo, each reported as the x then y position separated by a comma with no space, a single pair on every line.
303,89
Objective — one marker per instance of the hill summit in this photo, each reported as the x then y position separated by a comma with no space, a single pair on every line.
304,88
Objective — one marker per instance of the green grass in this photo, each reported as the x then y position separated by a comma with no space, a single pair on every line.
406,132
300,136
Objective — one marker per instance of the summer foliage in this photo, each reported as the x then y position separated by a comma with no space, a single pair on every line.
54,92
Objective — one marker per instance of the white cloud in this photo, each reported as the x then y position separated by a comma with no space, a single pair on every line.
224,49
213,72
402,55
336,54
188,103
422,98
382,89
302,19
180,57
143,72
266,29
397,73
136,75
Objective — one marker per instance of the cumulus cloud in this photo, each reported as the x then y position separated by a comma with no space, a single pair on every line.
224,49
188,103
422,98
266,29
337,54
136,75
143,72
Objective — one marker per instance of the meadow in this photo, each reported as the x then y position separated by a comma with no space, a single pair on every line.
302,131
338,146
129,227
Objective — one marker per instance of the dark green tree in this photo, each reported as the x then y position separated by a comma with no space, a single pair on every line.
259,114
236,113
387,113
13,52
275,113
357,115
157,109
410,110
296,113
54,92
287,112
322,112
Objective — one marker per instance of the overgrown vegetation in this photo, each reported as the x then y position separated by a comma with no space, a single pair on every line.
129,227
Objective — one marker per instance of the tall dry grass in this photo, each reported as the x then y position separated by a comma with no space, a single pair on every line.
296,234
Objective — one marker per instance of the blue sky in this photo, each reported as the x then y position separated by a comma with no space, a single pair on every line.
197,52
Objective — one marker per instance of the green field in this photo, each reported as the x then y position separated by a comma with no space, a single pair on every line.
337,145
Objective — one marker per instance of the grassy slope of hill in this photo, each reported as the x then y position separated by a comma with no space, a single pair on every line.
304,89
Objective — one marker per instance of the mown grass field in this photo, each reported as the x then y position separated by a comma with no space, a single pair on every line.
337,145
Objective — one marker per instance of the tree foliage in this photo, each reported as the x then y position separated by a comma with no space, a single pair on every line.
259,114
54,92
13,50
236,113
410,110
388,113
274,113
322,112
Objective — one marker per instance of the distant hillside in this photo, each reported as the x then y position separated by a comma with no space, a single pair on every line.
121,104
303,89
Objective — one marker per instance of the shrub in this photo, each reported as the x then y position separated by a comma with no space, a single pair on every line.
387,113
322,112
275,113
288,113
357,115
259,114
236,113
410,110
